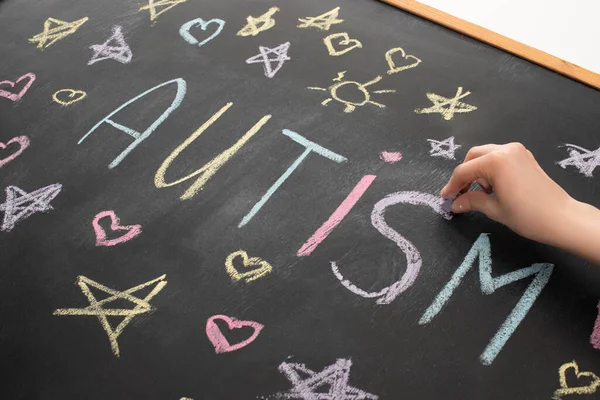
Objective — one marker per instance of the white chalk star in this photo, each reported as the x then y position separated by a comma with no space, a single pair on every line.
334,378
19,204
447,106
115,47
443,148
279,54
583,159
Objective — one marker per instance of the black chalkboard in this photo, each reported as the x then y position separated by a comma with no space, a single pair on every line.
332,204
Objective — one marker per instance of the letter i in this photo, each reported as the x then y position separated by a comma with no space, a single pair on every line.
338,215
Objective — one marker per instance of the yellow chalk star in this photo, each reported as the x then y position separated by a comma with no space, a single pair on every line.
323,21
254,26
54,30
153,5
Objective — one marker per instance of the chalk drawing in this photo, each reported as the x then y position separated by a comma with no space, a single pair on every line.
447,107
443,148
153,7
19,205
254,26
392,64
566,390
264,268
17,96
333,382
349,44
22,141
131,231
211,167
114,48
54,30
272,59
390,157
74,95
413,257
322,22
584,160
184,31
361,87
310,147
140,136
595,337
482,249
336,218
142,306
220,342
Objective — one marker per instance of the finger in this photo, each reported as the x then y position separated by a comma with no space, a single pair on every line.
476,201
478,151
485,185
465,174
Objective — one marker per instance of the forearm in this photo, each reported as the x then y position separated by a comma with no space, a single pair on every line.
578,231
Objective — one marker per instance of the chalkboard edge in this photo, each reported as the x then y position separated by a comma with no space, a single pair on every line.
497,40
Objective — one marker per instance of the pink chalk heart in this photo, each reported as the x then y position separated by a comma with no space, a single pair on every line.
131,230
17,96
220,342
23,142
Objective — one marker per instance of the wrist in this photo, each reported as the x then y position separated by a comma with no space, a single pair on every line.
578,230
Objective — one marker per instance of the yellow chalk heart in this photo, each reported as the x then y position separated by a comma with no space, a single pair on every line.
565,389
74,95
264,267
393,67
346,41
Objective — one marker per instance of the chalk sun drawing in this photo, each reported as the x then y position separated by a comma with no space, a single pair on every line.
165,5
394,69
482,250
54,30
350,106
210,168
584,160
333,382
413,257
17,96
595,337
131,231
72,94
447,106
443,148
322,22
114,48
272,59
184,31
19,205
97,308
22,141
347,43
220,342
254,26
140,136
263,267
566,390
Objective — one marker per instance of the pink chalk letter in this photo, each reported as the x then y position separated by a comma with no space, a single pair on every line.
390,157
132,230
595,338
23,142
220,342
17,96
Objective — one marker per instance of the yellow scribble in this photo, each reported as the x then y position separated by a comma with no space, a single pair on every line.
54,30
142,306
153,5
393,67
211,167
361,87
565,390
447,106
346,41
71,94
323,21
264,267
254,26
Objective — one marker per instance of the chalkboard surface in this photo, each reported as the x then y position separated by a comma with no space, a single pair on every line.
238,200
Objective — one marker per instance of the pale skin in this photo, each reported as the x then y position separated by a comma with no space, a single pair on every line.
519,194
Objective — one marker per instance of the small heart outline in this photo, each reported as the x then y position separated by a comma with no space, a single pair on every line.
17,96
393,67
345,41
23,144
220,342
73,93
132,230
265,267
184,31
565,389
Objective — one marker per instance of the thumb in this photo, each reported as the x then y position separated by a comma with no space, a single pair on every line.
475,201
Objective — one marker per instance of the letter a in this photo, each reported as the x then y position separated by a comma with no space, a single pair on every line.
140,136
211,167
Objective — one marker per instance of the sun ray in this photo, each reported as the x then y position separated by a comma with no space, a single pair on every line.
385,91
316,88
375,80
326,101
377,104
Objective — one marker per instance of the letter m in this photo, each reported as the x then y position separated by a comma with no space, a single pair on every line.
482,249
